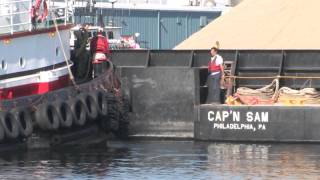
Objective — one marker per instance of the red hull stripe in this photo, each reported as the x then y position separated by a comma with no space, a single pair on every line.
34,32
35,88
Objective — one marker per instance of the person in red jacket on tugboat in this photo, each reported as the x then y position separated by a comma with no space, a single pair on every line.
216,76
99,48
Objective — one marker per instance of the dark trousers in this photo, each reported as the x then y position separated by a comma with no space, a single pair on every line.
214,90
97,69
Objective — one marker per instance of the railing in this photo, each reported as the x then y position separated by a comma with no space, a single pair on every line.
58,7
15,15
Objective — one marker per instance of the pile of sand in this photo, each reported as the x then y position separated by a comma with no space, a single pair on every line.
262,24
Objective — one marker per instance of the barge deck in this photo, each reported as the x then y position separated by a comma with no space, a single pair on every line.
168,91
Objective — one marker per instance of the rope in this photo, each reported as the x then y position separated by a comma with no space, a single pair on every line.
63,51
265,95
271,94
303,96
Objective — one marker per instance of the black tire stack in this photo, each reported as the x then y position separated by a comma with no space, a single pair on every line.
15,124
123,130
91,107
117,119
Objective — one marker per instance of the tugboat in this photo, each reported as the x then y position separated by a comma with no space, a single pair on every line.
43,105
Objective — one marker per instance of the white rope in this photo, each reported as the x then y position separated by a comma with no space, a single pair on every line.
63,50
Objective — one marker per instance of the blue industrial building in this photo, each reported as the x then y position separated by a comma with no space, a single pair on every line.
158,28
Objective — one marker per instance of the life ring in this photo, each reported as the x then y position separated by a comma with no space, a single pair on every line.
24,120
91,105
79,110
65,113
48,117
10,125
36,15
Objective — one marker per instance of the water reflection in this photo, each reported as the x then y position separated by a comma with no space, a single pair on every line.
166,160
90,163
267,161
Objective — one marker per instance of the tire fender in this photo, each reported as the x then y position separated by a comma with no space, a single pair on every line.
79,110
66,114
47,117
102,103
91,105
24,120
2,133
10,125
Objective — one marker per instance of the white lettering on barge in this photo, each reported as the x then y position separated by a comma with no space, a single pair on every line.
236,120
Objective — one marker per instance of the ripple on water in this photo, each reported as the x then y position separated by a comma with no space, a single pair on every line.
167,160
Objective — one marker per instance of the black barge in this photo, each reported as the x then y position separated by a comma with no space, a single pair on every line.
168,92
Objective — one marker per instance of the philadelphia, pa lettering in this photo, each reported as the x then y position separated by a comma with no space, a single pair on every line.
235,120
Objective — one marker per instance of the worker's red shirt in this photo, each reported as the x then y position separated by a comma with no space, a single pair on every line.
213,66
99,44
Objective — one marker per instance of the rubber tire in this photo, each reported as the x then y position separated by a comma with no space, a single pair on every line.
10,125
102,103
123,130
66,114
24,119
79,110
112,119
2,133
91,106
48,117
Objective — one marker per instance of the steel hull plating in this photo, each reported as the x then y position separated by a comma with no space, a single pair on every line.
165,84
258,123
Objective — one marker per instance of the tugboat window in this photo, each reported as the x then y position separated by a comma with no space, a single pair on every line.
57,51
4,65
22,62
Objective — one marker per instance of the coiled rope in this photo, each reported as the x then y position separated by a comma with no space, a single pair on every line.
290,96
271,93
248,96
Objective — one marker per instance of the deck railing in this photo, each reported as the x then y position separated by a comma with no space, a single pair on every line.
15,15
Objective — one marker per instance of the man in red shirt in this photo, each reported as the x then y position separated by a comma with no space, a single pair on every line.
216,74
99,48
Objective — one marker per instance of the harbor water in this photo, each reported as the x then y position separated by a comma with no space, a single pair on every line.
166,160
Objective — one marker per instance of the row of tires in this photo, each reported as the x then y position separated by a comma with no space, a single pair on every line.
51,116
14,124
74,112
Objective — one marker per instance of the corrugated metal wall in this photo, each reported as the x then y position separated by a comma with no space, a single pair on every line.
158,29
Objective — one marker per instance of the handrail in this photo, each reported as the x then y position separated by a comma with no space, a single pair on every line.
14,25
25,22
13,2
16,13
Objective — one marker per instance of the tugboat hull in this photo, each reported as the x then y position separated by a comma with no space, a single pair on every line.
89,109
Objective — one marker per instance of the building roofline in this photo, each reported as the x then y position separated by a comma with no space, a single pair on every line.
157,7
